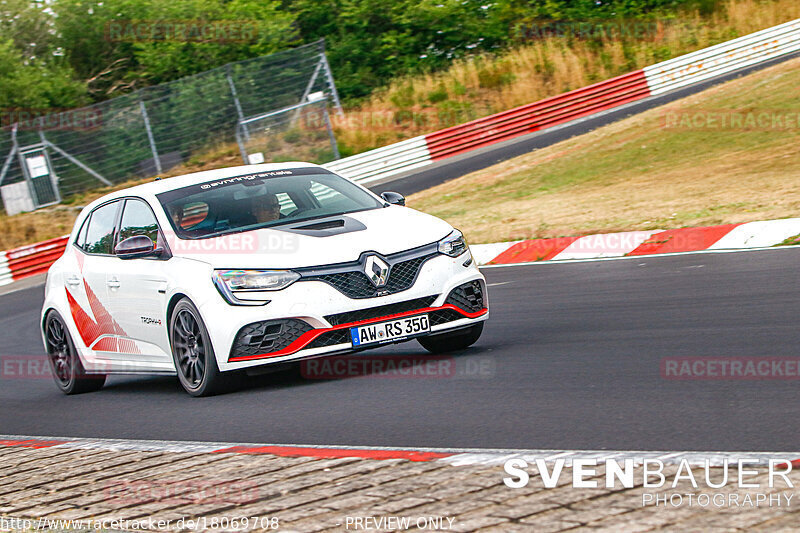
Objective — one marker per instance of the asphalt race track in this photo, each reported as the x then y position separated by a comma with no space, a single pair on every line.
571,360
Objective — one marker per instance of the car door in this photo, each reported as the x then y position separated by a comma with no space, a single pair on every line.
137,289
87,289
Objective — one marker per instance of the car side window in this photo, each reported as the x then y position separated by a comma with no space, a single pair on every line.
80,241
138,219
100,233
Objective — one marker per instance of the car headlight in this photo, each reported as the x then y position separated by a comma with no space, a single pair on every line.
453,245
256,280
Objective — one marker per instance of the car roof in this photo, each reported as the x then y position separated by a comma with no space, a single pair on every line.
176,182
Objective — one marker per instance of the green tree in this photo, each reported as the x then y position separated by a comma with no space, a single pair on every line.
115,65
32,73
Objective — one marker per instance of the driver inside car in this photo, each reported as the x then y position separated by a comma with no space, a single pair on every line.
266,208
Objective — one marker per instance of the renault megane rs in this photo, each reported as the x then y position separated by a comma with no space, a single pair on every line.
214,272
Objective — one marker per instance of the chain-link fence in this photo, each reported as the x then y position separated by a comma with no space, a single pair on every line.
300,132
152,130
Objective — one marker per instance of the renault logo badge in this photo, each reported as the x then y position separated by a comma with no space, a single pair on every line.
376,270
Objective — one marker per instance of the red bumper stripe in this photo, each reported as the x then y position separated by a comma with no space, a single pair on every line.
306,338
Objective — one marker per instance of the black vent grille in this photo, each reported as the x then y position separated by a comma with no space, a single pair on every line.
468,297
331,338
402,275
442,316
380,311
267,337
355,284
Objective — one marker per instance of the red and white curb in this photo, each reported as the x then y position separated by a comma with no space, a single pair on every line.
449,456
750,235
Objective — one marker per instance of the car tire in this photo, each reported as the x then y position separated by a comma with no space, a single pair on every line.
193,352
452,342
65,364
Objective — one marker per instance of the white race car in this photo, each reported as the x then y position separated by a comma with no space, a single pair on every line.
219,271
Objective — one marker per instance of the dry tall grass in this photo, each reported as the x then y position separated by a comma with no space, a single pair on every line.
482,85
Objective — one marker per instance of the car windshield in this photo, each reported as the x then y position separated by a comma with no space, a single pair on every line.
261,199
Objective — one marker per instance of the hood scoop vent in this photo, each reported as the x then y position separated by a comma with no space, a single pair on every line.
327,227
329,224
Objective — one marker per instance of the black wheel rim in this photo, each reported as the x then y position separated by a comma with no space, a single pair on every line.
189,347
58,350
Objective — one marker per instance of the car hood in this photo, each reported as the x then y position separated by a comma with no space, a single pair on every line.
386,230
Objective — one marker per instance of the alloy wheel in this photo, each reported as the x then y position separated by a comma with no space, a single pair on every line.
189,347
58,351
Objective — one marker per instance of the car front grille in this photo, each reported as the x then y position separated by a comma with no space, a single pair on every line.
380,311
350,279
267,337
468,297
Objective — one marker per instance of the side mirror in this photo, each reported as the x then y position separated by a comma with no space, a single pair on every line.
394,198
137,246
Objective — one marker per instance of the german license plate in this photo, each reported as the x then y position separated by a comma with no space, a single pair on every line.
390,330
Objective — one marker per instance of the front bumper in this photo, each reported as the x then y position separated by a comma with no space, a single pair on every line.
290,327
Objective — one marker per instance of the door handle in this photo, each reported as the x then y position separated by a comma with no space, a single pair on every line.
113,283
73,280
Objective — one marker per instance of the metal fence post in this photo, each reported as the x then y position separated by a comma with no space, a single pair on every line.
10,157
334,144
240,142
150,137
50,167
329,77
309,86
236,99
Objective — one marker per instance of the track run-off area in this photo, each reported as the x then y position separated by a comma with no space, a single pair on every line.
573,357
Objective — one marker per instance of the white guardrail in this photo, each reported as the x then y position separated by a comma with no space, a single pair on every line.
723,58
5,272
383,162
